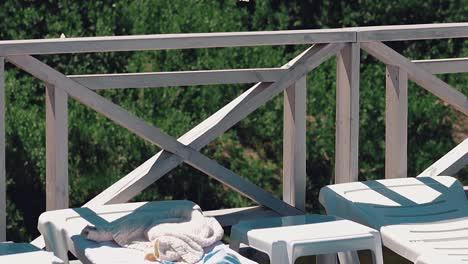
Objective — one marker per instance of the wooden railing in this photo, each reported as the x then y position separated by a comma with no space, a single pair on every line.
290,79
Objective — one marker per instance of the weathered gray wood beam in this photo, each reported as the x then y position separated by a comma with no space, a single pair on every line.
231,39
452,162
214,126
440,66
175,41
151,134
347,114
412,32
396,122
182,78
56,148
417,74
294,144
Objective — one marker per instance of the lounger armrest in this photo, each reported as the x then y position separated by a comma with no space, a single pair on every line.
50,226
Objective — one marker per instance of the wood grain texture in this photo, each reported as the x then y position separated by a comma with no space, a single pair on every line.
182,78
157,166
441,66
412,32
152,134
396,123
231,39
294,144
56,148
202,134
417,74
175,41
347,114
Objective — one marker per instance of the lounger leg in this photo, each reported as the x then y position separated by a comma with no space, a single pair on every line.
327,259
348,257
377,257
235,240
280,257
234,245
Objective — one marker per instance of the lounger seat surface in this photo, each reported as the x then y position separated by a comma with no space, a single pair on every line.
61,230
109,252
422,219
25,253
447,240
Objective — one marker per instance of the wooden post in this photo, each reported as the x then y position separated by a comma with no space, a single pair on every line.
56,148
294,144
2,153
396,122
347,114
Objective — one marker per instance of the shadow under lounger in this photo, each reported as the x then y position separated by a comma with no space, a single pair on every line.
423,219
61,230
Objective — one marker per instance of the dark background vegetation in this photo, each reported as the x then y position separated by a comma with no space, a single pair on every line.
102,152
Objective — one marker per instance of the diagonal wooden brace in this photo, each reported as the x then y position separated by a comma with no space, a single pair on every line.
152,134
451,163
419,75
202,134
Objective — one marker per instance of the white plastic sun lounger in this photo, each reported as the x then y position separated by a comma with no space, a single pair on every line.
423,219
61,230
19,253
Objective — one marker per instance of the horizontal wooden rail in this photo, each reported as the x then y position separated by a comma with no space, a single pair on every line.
439,66
232,39
175,41
228,76
412,32
181,78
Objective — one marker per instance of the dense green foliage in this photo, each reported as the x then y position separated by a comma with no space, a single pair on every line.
101,151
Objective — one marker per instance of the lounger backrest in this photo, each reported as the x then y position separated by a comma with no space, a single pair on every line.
138,212
396,201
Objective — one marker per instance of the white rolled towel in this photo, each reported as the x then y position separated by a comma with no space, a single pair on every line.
178,239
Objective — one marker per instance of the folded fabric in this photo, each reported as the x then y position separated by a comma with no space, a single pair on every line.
179,238
221,256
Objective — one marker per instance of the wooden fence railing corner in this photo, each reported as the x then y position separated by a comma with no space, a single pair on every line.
289,80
